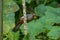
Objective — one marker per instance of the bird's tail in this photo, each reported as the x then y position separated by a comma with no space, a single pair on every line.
16,28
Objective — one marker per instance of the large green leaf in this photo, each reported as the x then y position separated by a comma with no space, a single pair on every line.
9,7
33,30
36,27
44,23
40,10
53,15
54,33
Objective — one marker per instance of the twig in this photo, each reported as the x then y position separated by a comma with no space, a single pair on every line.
25,17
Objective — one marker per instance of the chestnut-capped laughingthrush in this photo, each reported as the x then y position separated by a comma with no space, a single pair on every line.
21,21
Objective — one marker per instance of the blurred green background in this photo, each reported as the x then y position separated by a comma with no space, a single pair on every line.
47,27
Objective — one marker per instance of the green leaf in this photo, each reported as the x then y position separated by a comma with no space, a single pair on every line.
54,33
40,10
44,23
16,35
53,4
28,1
8,25
9,7
53,15
6,28
34,28
5,39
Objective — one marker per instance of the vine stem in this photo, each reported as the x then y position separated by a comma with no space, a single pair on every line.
25,17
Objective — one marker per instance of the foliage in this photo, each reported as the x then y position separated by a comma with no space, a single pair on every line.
9,7
41,29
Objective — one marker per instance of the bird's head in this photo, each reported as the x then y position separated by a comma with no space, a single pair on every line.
35,16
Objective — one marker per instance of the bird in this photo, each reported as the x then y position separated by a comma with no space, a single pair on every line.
30,17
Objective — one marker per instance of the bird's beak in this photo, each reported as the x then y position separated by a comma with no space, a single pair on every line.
35,17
